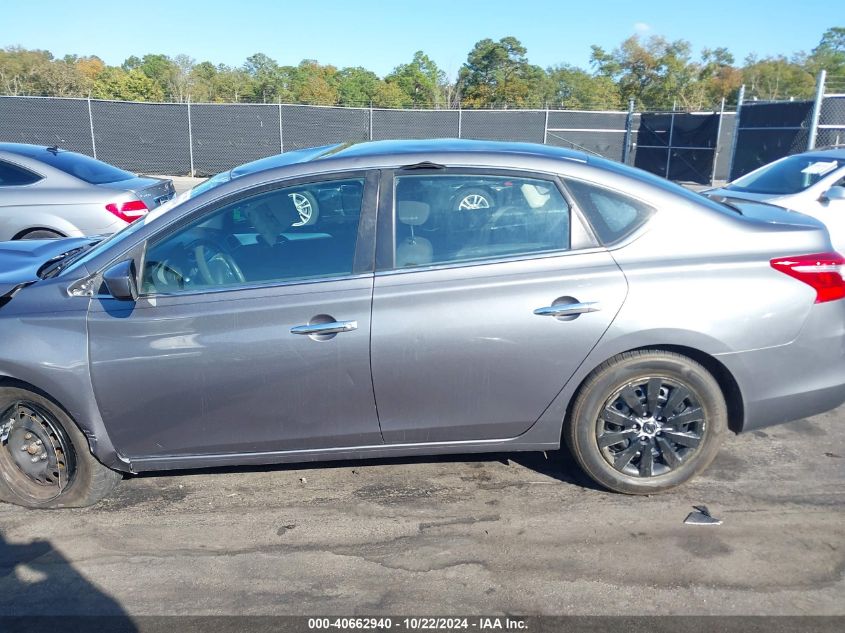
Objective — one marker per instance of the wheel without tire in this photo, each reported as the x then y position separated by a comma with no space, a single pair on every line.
473,198
44,457
646,421
41,234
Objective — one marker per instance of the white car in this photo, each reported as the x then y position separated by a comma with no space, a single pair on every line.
812,183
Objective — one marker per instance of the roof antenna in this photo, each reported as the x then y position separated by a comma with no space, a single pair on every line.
54,149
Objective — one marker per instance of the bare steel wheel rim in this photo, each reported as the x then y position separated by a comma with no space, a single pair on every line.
37,459
473,201
650,427
303,207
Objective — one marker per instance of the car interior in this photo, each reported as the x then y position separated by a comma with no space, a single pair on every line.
292,233
513,216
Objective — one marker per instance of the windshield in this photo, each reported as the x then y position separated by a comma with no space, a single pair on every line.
130,229
789,175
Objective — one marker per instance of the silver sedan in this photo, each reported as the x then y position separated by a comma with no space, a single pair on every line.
47,192
586,304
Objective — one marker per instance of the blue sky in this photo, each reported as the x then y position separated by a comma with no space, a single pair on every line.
380,34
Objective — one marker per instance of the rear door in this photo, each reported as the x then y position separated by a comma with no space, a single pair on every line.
489,296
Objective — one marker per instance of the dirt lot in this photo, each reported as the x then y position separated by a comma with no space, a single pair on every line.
491,534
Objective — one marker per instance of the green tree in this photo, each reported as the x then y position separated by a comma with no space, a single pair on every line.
356,86
390,95
577,89
498,74
719,77
421,80
776,78
270,82
829,55
116,83
162,71
21,70
656,73
315,84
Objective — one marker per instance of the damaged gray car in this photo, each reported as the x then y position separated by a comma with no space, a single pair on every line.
584,303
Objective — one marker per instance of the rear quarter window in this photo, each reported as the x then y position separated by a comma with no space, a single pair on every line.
15,176
613,215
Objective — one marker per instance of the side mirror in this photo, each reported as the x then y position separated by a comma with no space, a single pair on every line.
120,281
834,193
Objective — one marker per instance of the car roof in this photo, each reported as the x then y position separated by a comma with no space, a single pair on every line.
834,152
30,151
396,149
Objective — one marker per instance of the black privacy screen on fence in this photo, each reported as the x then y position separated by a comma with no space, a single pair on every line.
206,138
62,122
678,145
768,131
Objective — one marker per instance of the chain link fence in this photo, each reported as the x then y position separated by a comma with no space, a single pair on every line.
831,130
205,139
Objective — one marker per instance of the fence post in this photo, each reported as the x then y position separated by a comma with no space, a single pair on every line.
371,120
817,107
190,138
460,119
671,133
716,146
281,130
91,126
739,100
629,128
546,126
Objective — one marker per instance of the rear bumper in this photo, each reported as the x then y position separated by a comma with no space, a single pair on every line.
796,380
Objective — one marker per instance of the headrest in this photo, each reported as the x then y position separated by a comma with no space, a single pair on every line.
412,213
535,196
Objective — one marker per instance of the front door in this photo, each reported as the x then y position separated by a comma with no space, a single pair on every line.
252,331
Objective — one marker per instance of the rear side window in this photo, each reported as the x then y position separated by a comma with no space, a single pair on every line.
442,219
83,167
15,176
613,215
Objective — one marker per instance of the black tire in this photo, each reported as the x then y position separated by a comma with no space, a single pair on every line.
40,234
629,377
72,477
485,198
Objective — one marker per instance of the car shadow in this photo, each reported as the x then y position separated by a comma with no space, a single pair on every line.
38,585
554,464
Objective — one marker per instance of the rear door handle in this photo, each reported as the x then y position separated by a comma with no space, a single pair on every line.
568,309
332,327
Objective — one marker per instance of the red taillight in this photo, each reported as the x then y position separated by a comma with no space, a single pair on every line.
128,211
822,271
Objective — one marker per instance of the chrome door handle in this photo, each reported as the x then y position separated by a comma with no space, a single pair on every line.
568,309
333,327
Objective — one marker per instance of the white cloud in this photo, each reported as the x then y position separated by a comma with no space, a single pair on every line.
641,27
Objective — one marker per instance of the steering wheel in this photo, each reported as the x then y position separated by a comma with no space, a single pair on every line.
216,266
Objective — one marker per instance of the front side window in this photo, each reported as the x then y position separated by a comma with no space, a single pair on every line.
294,233
15,176
442,219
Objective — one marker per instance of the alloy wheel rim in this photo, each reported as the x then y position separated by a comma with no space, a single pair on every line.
36,455
650,427
474,201
303,207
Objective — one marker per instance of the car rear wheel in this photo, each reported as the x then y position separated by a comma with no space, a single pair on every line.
40,234
44,457
646,421
472,199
